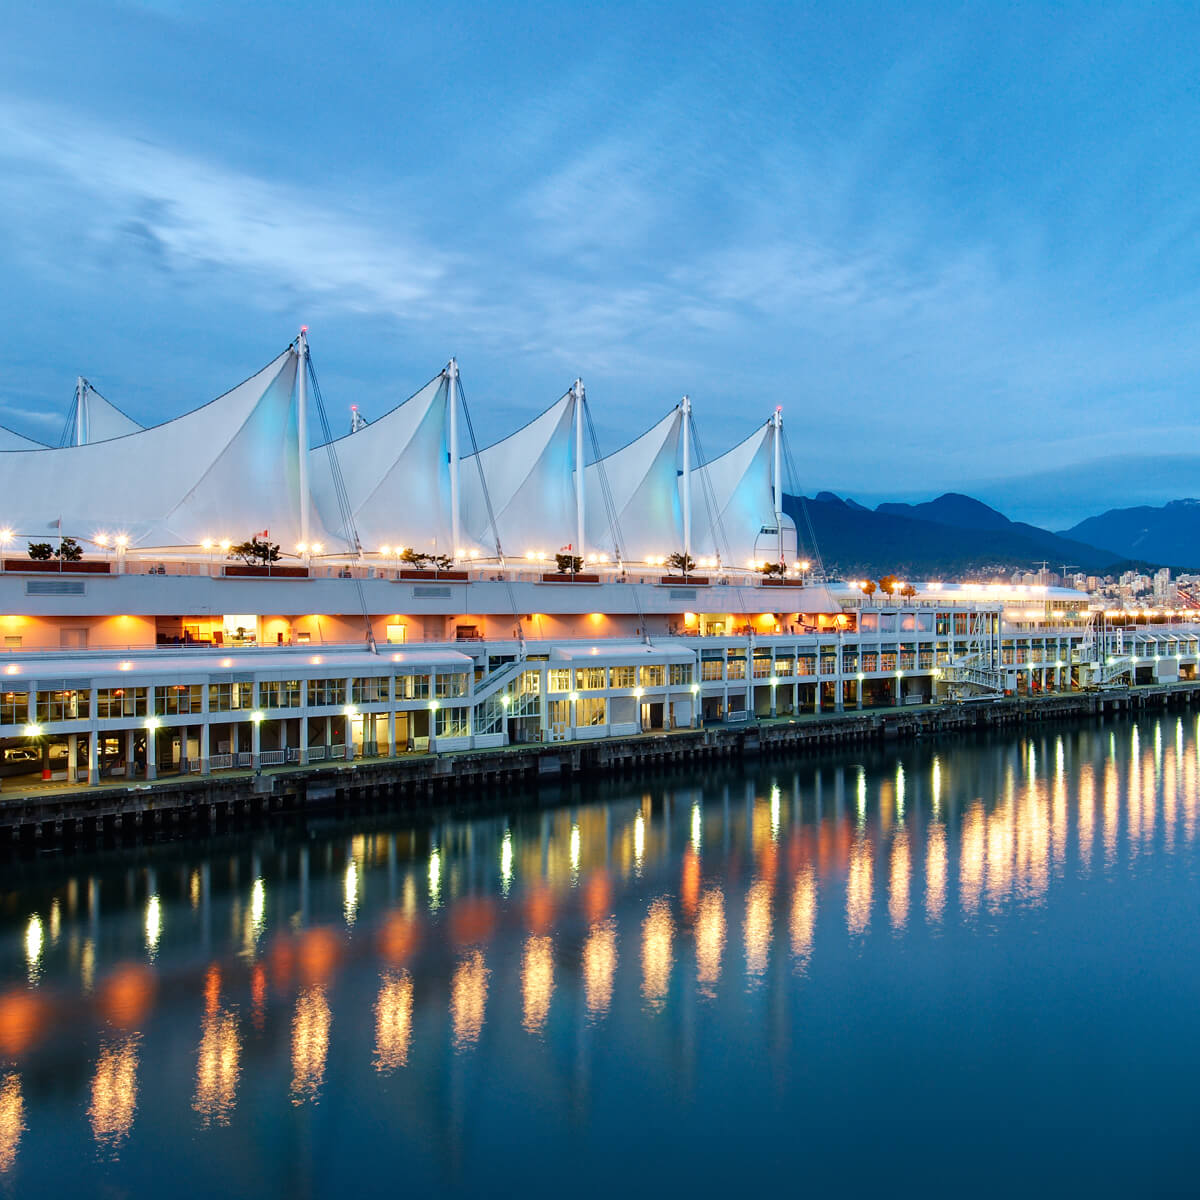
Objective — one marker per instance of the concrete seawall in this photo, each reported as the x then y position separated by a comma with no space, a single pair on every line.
47,815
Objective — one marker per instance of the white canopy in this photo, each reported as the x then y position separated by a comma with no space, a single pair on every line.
397,476
531,482
10,440
101,420
642,485
227,469
732,499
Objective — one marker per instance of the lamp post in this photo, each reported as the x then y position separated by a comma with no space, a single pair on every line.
433,708
697,716
638,693
152,724
256,720
350,712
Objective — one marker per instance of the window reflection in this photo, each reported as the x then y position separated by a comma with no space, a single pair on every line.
12,1120
114,1092
393,1021
658,932
599,966
537,982
468,1000
710,940
310,1043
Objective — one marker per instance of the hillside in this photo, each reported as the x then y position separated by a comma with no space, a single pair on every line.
1168,534
924,540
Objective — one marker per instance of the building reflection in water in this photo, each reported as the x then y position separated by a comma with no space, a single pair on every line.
12,1119
1007,826
468,1000
899,876
114,1092
803,921
859,884
599,967
658,932
710,940
218,1059
310,1043
393,1020
935,872
537,981
757,931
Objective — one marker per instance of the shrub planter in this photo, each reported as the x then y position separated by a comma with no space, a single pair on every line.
419,573
245,571
567,577
685,580
83,567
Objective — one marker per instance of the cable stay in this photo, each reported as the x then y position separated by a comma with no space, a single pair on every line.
343,497
794,479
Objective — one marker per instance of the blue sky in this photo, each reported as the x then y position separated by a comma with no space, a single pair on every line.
958,243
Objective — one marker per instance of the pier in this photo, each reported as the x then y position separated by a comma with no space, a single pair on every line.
50,814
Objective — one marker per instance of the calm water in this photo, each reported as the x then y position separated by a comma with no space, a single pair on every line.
969,967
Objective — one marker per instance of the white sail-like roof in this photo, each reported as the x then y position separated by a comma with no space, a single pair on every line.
732,499
227,469
530,479
11,440
102,420
397,476
642,482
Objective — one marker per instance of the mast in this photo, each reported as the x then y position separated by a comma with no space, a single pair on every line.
777,481
686,405
302,427
455,515
80,400
579,511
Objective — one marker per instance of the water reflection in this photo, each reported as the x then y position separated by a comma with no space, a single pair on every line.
393,1020
515,926
114,1092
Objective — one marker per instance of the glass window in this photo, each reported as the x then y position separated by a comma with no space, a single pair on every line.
227,697
681,674
179,700
453,684
14,708
591,710
625,677
652,676
62,706
736,668
710,669
322,693
120,702
371,690
280,693
453,722
412,687
560,679
589,679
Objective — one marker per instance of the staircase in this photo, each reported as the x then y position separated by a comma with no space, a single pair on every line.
1116,668
969,672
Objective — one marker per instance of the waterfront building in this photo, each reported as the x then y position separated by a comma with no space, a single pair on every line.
154,654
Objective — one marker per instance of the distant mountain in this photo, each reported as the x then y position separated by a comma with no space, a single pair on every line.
1169,534
907,539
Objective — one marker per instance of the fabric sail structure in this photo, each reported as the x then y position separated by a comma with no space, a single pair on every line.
531,482
396,472
642,486
226,469
102,420
732,500
11,440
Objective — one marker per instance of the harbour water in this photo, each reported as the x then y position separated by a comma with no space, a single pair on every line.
964,966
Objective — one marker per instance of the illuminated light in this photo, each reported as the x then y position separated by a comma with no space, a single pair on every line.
639,692
227,662
460,553
393,1021
774,680
804,564
310,1044
474,554
435,878
206,544
537,982
468,1000
154,924
122,540
302,547
658,934
572,696
350,711
599,967
315,660
12,669
505,700
6,535
506,862
101,539
124,666
694,688
114,1092
152,723
33,730
317,547
35,940
257,716
434,706
350,892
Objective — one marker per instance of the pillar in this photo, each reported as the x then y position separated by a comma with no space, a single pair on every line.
858,693
255,743
93,767
128,753
205,739
151,754
304,739
72,751
391,751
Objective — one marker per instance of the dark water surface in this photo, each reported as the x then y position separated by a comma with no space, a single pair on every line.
968,967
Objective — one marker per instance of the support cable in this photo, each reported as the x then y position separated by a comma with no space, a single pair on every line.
343,499
795,482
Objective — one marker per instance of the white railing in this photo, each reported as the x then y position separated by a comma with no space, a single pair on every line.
317,754
272,758
220,762
293,754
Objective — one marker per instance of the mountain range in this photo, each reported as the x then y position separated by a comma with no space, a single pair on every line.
957,534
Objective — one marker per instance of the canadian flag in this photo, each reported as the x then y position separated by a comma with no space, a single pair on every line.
566,549
265,535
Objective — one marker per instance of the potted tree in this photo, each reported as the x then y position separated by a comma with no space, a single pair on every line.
682,565
259,556
419,565
570,569
774,573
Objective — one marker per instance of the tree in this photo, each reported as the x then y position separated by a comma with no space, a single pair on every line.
685,564
769,569
443,562
414,558
908,591
568,563
70,550
888,585
868,587
41,551
254,551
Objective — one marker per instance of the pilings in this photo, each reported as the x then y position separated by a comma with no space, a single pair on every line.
201,803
